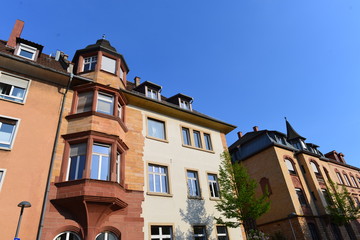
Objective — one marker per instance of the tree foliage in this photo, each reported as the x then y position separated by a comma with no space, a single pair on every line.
341,206
238,200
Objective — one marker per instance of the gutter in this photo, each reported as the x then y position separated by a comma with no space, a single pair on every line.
47,189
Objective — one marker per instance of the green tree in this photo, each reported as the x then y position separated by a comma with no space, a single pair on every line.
238,199
341,206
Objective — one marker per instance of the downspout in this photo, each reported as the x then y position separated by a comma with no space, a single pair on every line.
47,189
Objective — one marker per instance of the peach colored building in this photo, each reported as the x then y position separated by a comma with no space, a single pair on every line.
296,175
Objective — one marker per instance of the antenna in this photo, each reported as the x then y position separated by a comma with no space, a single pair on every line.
103,36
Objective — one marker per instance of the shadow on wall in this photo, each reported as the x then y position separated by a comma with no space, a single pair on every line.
195,215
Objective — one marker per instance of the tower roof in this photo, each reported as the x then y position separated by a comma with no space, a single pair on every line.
291,133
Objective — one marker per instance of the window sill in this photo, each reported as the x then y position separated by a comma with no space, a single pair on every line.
214,198
195,198
5,149
159,194
200,149
12,101
158,139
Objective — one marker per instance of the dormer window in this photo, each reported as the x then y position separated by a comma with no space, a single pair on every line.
185,104
108,64
90,63
26,51
151,93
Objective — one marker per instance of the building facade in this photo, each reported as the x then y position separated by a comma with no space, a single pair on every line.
101,157
296,175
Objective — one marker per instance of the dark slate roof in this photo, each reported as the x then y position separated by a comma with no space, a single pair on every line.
246,138
43,60
291,133
101,43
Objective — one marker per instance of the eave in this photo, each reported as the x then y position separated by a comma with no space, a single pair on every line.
172,110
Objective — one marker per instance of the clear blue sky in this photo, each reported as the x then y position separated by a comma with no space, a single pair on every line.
246,62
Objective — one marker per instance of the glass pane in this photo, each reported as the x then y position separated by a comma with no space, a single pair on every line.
95,166
6,132
72,236
211,177
197,139
151,183
221,229
101,149
156,129
84,102
105,168
155,230
186,136
157,183
18,92
105,104
26,54
112,236
166,230
72,170
163,184
81,166
101,236
191,174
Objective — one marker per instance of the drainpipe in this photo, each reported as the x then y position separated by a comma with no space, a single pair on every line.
46,195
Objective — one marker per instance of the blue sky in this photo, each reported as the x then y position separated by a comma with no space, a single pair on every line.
246,62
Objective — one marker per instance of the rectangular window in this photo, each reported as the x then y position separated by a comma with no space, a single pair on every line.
193,184
77,161
151,93
12,88
213,185
186,136
118,167
158,179
222,233
197,139
100,162
90,63
161,232
340,178
354,181
105,103
347,180
121,73
156,129
185,104
85,100
301,196
200,233
26,51
7,132
108,64
119,109
207,140
2,177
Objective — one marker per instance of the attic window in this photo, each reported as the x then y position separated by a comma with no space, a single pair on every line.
108,64
151,93
26,51
90,63
185,104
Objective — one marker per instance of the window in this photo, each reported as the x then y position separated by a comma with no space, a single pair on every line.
213,185
197,139
108,64
85,100
77,161
315,168
26,51
118,167
100,162
185,104
12,88
7,132
326,196
156,129
222,233
354,181
199,233
207,140
151,93
2,177
106,236
90,63
347,180
161,232
313,231
290,166
119,112
67,236
158,179
105,103
186,136
193,184
339,177
301,196
121,73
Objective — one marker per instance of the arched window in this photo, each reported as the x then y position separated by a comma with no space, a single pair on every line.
290,166
339,178
67,236
315,168
107,236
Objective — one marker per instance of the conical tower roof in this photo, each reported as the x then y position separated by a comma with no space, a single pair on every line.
291,133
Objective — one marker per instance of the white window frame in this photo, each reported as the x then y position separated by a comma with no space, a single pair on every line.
103,99
152,174
26,48
16,82
184,104
150,119
213,186
90,61
67,235
152,93
2,178
101,156
193,184
14,133
162,236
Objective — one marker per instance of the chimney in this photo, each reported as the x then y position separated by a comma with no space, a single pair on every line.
16,32
240,134
137,81
256,128
341,157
